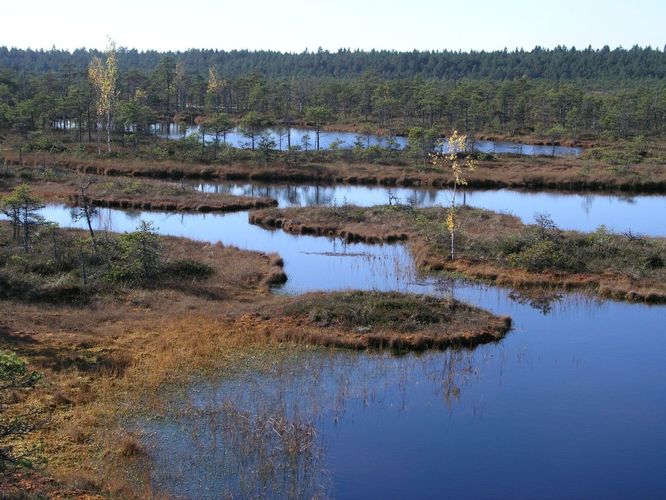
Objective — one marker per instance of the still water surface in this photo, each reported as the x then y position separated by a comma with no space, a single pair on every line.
572,403
643,214
299,136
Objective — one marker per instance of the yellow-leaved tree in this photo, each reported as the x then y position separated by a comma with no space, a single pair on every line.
103,76
459,163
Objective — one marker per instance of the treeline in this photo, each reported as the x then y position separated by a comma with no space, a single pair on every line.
560,63
169,92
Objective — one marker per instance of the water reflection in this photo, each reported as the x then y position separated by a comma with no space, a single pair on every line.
274,422
312,263
571,402
582,212
343,140
429,423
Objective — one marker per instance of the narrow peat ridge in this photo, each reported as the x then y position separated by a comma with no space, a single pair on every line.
591,172
55,184
496,247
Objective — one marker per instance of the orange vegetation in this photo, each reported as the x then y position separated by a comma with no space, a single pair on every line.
504,172
108,359
64,186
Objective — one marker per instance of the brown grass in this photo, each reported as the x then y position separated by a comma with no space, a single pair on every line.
504,172
62,185
130,447
105,361
374,320
100,361
386,224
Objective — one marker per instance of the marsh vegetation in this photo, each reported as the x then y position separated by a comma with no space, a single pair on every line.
135,363
496,247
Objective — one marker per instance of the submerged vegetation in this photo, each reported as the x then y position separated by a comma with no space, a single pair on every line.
99,329
125,307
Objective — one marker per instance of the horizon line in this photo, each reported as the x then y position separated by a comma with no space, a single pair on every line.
320,49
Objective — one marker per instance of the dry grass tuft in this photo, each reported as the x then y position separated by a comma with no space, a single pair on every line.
130,446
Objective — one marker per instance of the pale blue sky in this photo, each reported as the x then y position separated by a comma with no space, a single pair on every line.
293,25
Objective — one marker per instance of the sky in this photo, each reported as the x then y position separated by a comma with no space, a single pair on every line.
297,25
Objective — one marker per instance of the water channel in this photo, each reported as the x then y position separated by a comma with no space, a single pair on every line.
582,212
329,139
572,403
304,138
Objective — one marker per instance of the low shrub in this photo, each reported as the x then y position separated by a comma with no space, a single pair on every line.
188,268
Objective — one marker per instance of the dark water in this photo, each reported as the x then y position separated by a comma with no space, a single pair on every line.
572,403
566,406
347,140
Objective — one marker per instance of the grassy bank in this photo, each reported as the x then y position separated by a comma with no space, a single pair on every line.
623,168
112,348
103,350
497,248
62,185
365,320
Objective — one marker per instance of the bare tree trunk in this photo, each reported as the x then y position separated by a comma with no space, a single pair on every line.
99,148
203,142
87,213
108,129
89,126
16,222
84,275
90,229
452,225
26,230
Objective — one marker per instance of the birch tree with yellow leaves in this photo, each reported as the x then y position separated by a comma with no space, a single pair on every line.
103,76
460,164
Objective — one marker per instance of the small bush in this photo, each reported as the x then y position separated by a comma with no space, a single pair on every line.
653,261
52,267
130,447
131,188
512,245
188,268
46,143
139,256
632,153
15,377
542,255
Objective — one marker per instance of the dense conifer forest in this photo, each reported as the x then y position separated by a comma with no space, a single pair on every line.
561,63
547,93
